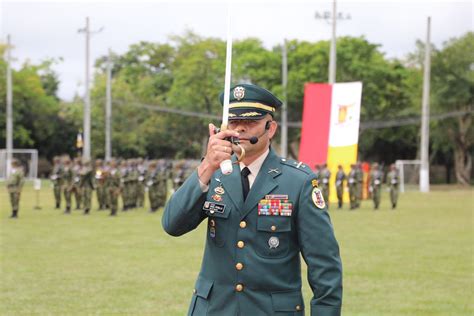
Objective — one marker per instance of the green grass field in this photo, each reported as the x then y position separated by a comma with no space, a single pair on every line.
417,260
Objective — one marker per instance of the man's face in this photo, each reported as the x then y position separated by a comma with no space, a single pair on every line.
251,128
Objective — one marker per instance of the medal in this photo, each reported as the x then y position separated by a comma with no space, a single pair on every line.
219,190
273,242
217,197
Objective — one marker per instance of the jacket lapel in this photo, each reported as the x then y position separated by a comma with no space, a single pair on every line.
233,186
264,183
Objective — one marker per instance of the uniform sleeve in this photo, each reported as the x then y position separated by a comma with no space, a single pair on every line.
320,251
183,212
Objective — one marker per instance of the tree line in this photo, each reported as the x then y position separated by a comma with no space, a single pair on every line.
187,73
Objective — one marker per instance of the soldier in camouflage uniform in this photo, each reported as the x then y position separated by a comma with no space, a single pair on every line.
68,183
114,185
14,185
317,172
325,176
352,183
340,178
392,181
133,182
178,174
125,184
76,187
157,186
87,185
141,182
360,184
376,178
56,178
106,183
100,183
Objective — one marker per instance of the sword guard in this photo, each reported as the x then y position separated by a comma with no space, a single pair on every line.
235,141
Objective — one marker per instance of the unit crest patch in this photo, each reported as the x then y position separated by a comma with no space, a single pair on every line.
318,199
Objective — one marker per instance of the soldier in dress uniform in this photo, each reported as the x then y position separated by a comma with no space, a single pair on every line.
100,175
15,185
392,181
76,187
68,185
325,176
114,186
259,219
57,180
86,184
340,178
375,186
352,184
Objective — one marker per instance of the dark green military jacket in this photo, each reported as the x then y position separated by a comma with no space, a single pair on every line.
251,263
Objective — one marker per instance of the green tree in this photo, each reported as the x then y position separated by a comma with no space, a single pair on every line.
36,123
453,90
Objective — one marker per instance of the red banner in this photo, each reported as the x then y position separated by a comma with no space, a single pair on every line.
316,119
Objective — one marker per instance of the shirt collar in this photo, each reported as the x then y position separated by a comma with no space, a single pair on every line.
255,166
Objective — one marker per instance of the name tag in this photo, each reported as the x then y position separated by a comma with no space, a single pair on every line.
213,207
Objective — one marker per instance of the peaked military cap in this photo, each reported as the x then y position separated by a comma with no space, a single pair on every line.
250,102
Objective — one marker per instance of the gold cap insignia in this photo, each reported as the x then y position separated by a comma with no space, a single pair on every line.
250,114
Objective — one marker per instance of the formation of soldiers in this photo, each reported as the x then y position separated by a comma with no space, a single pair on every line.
128,179
355,180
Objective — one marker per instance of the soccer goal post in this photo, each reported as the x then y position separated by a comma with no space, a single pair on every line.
28,159
409,173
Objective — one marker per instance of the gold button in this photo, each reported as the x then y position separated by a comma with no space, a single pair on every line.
239,266
243,224
273,228
239,287
240,244
213,223
194,291
298,308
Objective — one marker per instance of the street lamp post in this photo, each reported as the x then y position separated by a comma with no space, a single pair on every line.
86,153
332,17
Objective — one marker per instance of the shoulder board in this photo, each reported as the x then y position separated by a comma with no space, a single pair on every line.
296,164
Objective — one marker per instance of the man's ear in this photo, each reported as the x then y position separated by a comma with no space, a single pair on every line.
272,128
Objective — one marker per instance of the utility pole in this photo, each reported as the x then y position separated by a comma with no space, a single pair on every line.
86,153
425,117
9,139
333,16
284,112
108,110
